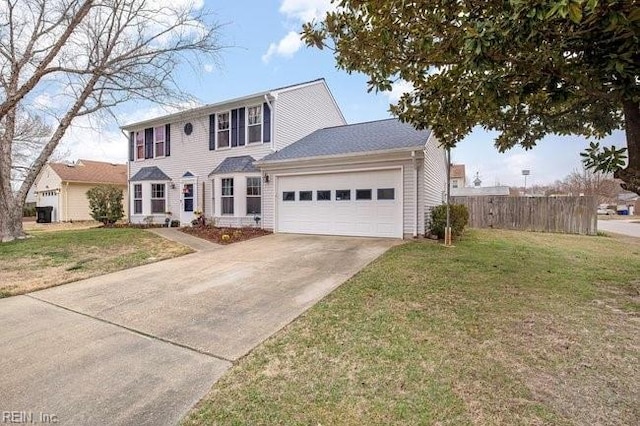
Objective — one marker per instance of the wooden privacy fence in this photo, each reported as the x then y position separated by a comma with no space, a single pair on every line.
571,215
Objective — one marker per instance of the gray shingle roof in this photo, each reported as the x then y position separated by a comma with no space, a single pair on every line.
242,164
372,136
149,173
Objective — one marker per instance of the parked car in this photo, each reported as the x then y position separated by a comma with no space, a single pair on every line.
608,212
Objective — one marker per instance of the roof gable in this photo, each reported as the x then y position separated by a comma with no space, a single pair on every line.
91,172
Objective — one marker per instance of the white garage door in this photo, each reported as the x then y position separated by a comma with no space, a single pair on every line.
354,203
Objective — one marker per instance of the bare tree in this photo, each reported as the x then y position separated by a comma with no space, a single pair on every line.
90,56
587,182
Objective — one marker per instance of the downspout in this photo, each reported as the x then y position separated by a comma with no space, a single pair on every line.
415,194
273,124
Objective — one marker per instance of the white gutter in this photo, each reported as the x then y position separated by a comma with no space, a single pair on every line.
276,163
129,175
415,198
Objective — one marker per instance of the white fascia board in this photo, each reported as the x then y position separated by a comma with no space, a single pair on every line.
391,154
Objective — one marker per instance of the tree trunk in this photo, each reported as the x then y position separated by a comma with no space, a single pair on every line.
10,218
631,175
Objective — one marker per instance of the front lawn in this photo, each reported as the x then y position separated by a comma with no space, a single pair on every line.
505,328
52,258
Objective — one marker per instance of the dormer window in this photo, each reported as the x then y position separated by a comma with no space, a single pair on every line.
254,124
223,130
159,138
140,145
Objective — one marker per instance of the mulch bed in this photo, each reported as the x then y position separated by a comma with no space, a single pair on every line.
224,235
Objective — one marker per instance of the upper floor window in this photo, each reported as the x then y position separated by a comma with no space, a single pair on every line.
140,145
223,130
254,124
158,141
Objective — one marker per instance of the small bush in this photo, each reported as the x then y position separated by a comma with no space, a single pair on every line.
459,215
29,210
175,223
105,203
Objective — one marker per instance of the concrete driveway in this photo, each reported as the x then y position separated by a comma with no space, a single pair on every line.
629,227
143,345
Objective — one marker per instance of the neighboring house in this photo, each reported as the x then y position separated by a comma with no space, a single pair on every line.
287,158
64,187
457,176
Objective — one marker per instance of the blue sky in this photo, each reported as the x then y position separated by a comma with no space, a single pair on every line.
264,53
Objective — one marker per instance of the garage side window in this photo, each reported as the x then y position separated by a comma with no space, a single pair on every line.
137,198
288,196
323,195
227,196
158,200
254,195
386,194
343,194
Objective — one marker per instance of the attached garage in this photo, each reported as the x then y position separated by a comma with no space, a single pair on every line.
363,203
375,179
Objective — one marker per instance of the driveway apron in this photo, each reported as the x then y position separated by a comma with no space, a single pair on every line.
143,345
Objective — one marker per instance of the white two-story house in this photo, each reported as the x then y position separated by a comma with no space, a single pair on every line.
285,160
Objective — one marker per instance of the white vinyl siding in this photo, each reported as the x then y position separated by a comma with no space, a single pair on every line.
191,152
435,178
302,111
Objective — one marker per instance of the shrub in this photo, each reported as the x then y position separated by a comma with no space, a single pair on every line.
105,203
29,210
175,223
459,216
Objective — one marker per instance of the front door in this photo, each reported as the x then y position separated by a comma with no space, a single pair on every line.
188,203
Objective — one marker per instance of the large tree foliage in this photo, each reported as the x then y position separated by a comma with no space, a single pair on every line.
85,56
526,68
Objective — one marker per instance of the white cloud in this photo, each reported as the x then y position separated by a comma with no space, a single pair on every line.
398,88
306,10
286,47
296,12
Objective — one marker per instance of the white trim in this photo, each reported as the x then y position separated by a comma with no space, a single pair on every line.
294,162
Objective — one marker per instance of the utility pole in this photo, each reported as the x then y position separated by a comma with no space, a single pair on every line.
525,173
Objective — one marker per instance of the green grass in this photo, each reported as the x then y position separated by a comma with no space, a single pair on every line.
51,258
505,328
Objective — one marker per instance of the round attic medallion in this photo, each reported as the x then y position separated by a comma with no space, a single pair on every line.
188,128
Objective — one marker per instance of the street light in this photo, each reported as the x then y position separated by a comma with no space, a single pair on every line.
525,173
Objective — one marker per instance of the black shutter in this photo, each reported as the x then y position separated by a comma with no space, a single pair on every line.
212,132
132,146
167,141
148,143
234,127
241,127
266,119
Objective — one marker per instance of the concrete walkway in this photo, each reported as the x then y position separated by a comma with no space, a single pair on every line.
195,243
142,346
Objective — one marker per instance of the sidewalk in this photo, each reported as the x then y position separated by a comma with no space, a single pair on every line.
173,234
